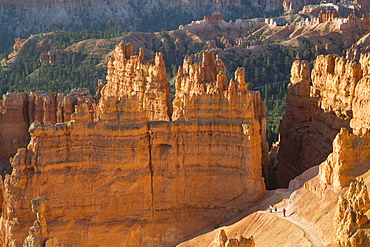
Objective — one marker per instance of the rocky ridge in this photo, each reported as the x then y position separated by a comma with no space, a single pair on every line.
19,110
331,104
338,94
162,170
332,208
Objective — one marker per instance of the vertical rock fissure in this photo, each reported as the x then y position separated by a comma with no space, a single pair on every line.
25,110
151,171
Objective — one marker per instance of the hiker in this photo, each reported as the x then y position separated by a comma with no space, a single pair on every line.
284,211
270,208
275,209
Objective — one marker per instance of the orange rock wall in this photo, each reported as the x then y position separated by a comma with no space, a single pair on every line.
13,127
336,87
131,75
295,123
19,110
120,173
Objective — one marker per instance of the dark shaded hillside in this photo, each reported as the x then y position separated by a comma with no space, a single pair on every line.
21,20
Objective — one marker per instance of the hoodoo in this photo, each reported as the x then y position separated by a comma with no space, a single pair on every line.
314,116
120,172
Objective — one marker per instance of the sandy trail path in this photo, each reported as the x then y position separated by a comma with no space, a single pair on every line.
310,233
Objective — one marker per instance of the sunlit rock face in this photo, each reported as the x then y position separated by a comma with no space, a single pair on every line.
315,115
19,110
122,173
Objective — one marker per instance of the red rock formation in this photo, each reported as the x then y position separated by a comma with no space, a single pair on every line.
222,240
295,123
52,57
205,83
129,77
215,18
348,160
114,177
350,216
296,5
334,80
18,43
38,233
13,127
19,110
327,16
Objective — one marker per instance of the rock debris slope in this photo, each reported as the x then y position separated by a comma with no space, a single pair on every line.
120,173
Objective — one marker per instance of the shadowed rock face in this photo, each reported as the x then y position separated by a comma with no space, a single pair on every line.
121,173
314,116
19,110
295,124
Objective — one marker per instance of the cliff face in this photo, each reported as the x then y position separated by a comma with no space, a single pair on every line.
339,126
350,216
334,96
19,110
120,173
333,204
295,123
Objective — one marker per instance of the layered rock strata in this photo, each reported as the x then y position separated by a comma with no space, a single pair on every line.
132,77
19,110
341,89
222,240
295,123
315,116
121,173
350,215
38,232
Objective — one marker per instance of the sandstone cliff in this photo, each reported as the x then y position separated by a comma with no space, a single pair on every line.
121,173
338,94
222,240
332,208
350,216
19,110
329,106
295,123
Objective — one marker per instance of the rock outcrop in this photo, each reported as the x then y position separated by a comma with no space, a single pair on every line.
337,87
339,93
350,216
38,233
349,159
53,57
121,173
335,203
132,77
295,123
222,240
19,110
